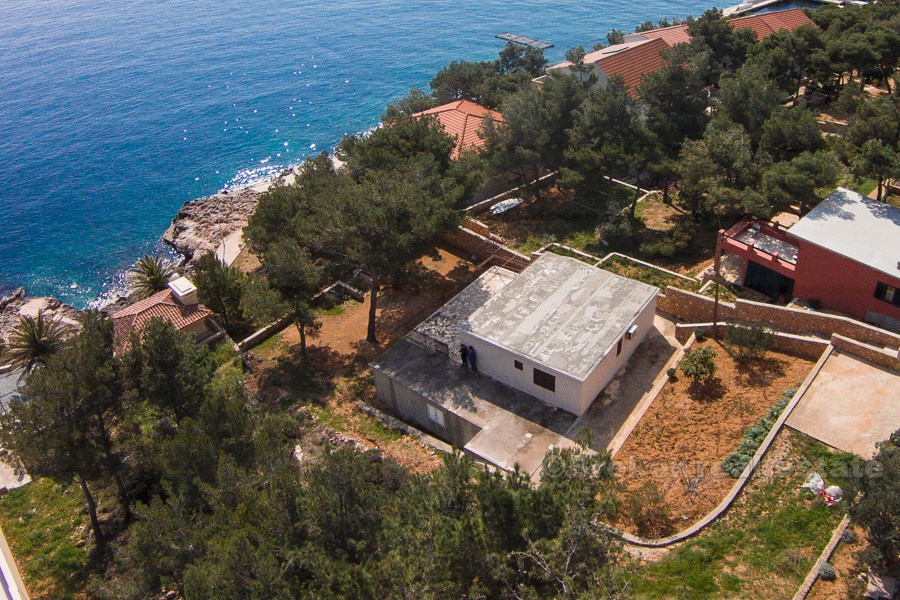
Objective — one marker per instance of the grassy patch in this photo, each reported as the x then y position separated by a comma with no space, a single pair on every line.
649,275
566,252
43,522
768,540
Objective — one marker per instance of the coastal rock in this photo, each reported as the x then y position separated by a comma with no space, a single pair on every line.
19,305
202,224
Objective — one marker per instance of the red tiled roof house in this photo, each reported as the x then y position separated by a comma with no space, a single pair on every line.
177,304
463,120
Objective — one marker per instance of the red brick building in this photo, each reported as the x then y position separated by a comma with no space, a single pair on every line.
844,255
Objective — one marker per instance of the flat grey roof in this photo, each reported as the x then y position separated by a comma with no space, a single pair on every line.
860,228
562,313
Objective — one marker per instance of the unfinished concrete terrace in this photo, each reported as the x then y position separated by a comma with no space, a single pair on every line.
442,326
492,421
561,313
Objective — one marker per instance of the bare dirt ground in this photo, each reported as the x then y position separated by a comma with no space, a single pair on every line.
335,374
685,434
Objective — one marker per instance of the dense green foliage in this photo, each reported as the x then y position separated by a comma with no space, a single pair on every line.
149,275
879,508
735,463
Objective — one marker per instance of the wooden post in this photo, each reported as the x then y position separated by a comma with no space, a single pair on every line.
715,319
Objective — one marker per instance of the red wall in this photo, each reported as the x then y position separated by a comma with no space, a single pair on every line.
839,283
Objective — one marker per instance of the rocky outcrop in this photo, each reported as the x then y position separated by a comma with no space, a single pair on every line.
202,224
18,305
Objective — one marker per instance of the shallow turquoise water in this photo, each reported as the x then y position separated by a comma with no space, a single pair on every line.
112,114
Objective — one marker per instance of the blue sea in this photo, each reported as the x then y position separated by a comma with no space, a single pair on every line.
113,114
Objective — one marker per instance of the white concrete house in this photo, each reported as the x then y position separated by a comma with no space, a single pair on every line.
560,330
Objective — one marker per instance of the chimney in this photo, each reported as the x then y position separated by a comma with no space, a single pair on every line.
184,291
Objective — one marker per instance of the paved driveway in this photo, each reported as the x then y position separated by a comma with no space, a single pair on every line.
850,405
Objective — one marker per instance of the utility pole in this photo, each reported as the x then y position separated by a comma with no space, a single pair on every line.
716,263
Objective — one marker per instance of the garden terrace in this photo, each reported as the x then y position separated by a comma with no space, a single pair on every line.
680,442
770,537
628,267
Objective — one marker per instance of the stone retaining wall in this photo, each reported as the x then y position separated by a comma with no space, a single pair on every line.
482,249
889,359
695,308
807,347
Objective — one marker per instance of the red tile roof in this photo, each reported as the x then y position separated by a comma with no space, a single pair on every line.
763,25
633,63
676,34
160,305
766,24
463,120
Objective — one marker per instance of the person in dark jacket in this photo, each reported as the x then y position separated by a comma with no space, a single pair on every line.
473,357
464,355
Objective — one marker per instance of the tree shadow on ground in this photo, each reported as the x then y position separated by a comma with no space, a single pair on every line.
758,372
296,379
707,390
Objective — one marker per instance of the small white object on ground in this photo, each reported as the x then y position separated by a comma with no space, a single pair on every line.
505,205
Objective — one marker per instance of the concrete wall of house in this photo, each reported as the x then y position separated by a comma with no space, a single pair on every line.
841,284
499,363
611,364
571,394
413,407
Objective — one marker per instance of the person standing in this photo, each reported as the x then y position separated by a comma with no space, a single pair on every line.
464,355
473,357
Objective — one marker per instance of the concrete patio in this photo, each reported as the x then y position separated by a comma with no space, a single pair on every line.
850,405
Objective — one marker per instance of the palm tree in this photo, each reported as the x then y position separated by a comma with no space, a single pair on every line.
149,275
34,341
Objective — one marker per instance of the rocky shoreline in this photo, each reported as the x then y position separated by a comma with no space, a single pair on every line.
202,224
199,227
18,305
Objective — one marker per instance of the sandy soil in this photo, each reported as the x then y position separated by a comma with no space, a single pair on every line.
684,435
339,356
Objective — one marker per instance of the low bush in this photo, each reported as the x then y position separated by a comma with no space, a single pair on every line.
749,341
671,372
826,572
735,463
618,231
649,511
699,365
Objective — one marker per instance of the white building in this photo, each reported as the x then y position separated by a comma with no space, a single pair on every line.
560,330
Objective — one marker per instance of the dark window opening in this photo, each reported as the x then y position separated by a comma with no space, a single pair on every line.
518,364
545,380
887,293
619,347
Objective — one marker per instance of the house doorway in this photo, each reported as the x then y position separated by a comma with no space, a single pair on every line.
768,282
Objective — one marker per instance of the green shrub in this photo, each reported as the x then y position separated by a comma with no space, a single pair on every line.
700,333
678,240
749,341
671,371
735,463
699,365
618,231
826,572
